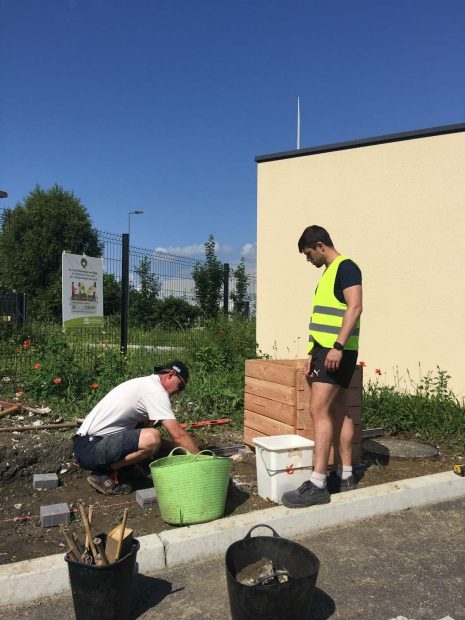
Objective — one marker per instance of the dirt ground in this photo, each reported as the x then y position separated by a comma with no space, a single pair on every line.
23,454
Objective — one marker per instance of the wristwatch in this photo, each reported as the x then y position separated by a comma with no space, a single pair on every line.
338,346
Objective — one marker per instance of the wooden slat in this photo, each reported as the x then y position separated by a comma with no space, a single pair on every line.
271,390
355,413
302,380
303,399
354,397
270,408
249,434
304,419
357,377
269,370
265,425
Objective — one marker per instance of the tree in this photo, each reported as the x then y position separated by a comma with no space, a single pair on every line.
240,295
174,314
143,299
33,236
208,281
111,295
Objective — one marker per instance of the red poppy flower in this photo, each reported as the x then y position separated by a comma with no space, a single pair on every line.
20,393
362,364
94,386
378,371
37,365
57,380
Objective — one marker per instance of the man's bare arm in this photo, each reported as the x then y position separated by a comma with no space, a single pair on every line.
353,299
180,437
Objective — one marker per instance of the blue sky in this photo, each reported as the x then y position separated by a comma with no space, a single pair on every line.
161,105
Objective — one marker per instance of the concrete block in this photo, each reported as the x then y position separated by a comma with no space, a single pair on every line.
54,514
31,580
41,482
151,555
146,498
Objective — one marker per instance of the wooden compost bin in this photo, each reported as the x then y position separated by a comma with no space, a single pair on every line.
277,402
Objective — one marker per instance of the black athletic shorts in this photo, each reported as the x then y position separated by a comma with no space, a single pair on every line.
342,376
97,452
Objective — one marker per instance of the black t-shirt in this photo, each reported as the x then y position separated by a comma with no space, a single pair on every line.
348,274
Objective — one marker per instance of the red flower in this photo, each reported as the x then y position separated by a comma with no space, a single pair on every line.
20,393
378,371
26,344
37,365
94,386
57,380
362,364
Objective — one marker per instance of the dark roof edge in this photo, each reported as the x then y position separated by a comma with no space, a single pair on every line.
353,144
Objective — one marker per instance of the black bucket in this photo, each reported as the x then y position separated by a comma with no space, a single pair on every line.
291,599
103,592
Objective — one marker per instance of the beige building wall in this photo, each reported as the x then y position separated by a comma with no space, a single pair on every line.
398,210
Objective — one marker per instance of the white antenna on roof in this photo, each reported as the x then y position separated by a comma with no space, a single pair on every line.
298,122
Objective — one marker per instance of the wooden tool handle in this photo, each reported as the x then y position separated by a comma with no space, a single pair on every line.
101,551
88,530
89,518
121,536
40,427
9,410
72,548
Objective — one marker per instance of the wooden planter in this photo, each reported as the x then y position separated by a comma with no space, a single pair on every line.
277,402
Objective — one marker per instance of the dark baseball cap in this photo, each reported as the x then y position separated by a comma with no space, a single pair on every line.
179,368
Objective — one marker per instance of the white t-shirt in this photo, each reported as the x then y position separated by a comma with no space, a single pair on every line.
127,405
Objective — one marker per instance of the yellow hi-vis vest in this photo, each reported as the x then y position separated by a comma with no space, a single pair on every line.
328,312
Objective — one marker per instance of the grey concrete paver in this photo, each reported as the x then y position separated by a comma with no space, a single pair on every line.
408,564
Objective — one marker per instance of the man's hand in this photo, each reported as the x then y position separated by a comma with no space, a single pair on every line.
333,359
180,436
307,363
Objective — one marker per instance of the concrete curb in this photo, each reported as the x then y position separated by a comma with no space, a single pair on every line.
33,579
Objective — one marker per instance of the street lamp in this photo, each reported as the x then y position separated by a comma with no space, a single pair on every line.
129,218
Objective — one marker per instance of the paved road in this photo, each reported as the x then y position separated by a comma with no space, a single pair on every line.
409,564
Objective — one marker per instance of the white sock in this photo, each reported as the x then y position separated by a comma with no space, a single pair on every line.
319,480
346,471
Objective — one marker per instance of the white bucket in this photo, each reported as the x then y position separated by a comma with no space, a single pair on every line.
283,463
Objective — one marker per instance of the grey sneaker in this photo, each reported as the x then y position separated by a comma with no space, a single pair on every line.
335,483
308,494
108,486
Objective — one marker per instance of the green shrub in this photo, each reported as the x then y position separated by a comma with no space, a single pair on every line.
429,410
173,313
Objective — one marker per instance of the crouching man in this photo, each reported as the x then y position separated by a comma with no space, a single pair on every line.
119,431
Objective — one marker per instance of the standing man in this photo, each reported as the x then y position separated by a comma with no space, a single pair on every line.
333,348
120,430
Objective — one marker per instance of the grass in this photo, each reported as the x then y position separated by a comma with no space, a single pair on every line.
71,372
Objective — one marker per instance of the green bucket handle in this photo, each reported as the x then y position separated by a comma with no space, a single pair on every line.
210,452
186,452
248,535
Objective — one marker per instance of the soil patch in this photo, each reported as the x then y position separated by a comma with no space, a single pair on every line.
24,454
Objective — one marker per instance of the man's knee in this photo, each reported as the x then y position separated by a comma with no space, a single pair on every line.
149,440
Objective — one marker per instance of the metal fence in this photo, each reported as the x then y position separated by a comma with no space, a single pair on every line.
174,277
